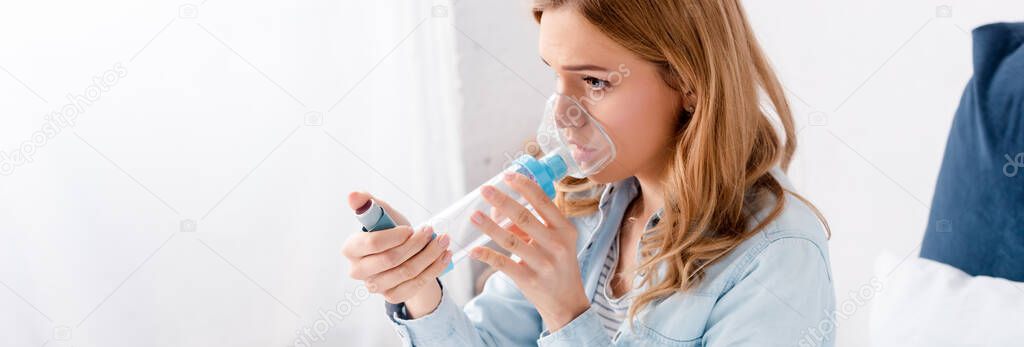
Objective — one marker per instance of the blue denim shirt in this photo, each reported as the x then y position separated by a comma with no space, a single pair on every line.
774,289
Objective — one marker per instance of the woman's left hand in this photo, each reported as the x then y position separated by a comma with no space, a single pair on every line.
547,273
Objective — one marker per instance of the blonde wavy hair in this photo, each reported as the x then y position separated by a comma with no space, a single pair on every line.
719,174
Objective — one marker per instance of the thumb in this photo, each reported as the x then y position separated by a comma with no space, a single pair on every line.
357,200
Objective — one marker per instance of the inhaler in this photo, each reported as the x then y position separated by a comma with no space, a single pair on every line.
573,144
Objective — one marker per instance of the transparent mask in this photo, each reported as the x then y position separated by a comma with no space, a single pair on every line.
573,143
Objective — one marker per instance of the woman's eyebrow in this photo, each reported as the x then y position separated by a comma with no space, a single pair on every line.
581,67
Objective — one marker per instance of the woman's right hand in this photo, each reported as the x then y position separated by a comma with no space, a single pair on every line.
399,263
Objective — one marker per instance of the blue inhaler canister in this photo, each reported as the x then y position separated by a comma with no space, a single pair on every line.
373,217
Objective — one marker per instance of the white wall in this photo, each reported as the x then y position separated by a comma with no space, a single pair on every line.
882,77
200,198
503,83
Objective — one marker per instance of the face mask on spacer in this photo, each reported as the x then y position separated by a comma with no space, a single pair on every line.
573,144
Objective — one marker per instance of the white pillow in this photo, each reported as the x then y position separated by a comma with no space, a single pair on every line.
926,303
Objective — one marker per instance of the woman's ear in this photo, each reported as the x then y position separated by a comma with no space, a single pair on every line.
689,102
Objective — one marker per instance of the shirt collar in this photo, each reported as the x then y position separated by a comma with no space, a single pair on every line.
627,189
623,189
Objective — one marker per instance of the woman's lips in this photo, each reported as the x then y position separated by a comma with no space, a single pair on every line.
584,156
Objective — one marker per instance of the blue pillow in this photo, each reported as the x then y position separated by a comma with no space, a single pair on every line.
977,215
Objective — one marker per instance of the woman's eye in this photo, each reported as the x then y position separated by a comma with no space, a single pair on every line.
596,83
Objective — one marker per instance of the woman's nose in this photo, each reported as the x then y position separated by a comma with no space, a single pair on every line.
569,113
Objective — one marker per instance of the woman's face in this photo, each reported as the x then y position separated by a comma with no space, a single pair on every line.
625,93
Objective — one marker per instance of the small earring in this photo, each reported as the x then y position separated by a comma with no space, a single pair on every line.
690,109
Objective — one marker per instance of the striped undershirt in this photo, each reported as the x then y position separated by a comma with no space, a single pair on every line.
610,309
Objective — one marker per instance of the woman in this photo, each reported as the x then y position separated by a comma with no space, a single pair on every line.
696,237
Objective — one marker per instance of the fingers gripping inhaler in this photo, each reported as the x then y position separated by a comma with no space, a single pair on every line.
573,144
